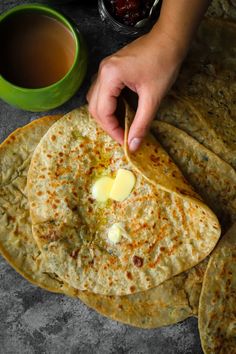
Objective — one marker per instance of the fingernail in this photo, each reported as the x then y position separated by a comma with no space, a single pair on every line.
134,144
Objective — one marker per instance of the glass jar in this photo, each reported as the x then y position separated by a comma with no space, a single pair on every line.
123,29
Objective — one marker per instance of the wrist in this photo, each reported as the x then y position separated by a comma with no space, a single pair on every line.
178,22
163,38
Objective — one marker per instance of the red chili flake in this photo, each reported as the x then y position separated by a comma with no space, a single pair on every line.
129,275
74,253
138,261
90,171
16,231
53,137
155,159
51,236
132,289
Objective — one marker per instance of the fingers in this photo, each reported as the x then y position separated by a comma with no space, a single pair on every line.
147,108
102,98
92,98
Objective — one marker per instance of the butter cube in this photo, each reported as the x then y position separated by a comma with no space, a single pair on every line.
115,233
101,188
122,185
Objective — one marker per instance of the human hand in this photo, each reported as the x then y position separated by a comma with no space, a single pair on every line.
147,66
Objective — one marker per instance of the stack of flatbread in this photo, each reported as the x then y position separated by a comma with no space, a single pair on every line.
55,233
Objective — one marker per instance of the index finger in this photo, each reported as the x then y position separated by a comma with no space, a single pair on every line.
107,95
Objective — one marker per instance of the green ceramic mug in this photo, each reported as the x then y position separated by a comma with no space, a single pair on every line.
54,95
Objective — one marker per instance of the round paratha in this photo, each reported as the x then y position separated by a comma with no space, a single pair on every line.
16,242
169,229
202,102
217,308
213,178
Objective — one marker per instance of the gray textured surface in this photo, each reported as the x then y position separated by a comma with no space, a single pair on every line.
35,321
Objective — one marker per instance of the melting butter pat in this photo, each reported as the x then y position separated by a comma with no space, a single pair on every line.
101,188
116,232
123,185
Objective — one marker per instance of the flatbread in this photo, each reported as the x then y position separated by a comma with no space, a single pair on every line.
212,177
222,8
16,242
213,50
171,302
168,231
174,300
202,102
217,308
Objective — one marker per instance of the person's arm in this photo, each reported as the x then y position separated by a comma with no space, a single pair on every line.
148,66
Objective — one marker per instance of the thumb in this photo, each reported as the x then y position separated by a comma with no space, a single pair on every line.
147,108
